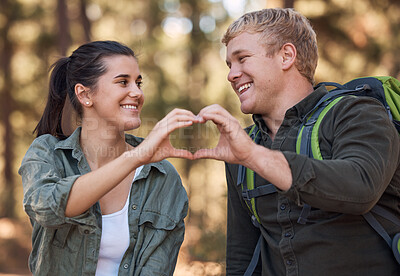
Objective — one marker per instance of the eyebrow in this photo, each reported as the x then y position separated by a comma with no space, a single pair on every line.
235,53
127,76
122,76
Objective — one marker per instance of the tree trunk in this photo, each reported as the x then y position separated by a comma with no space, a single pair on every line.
7,199
64,39
288,3
85,21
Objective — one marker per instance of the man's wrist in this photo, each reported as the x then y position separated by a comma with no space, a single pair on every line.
255,153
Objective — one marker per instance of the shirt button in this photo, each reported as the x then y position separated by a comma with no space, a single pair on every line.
134,207
126,266
289,262
86,231
283,207
288,234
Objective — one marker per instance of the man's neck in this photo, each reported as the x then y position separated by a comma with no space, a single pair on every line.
273,125
294,93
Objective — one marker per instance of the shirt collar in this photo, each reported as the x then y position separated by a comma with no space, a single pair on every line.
308,103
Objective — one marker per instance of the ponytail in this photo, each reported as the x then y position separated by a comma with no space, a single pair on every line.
50,123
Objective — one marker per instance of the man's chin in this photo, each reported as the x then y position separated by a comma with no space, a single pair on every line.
246,109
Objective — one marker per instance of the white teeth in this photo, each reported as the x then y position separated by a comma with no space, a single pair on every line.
129,106
247,85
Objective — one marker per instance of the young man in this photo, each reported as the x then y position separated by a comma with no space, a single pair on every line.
272,55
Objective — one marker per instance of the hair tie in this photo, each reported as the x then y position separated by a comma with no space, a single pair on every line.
67,61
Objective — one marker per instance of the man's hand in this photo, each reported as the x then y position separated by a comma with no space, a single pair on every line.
235,146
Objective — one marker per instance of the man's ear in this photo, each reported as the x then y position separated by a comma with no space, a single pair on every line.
289,54
83,94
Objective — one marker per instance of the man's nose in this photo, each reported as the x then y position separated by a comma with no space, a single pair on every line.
234,73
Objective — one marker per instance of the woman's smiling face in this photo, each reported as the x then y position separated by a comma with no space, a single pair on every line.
118,97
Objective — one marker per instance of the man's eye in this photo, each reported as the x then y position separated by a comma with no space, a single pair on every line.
139,84
123,82
241,59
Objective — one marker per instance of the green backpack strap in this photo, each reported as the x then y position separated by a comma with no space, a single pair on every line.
246,177
251,202
249,193
307,139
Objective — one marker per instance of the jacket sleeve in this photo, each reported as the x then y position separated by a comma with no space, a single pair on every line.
242,235
361,148
45,188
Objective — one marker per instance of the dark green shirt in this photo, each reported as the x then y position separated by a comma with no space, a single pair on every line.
361,167
70,246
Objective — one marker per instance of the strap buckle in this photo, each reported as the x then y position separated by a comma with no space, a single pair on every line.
246,195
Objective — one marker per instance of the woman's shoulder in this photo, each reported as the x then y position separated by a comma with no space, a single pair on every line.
169,168
41,149
45,142
47,139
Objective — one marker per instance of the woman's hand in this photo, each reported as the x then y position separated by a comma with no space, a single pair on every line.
157,145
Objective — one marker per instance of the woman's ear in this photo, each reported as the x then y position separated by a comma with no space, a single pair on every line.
289,53
83,95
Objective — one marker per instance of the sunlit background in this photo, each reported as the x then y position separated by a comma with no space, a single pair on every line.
183,64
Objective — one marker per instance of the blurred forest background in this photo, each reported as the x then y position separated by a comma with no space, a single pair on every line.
183,64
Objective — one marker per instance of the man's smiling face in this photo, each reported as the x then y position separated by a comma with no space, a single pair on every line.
254,76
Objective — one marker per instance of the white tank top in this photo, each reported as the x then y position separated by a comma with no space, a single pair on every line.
114,239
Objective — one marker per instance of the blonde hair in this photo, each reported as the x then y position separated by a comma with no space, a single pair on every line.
279,26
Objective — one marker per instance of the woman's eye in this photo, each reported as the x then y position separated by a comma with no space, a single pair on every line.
241,59
123,82
139,84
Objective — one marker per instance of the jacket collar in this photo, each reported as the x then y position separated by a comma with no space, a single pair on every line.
72,143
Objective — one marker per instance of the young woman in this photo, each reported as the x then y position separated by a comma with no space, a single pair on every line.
102,202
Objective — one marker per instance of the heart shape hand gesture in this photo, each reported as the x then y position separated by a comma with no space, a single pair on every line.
233,146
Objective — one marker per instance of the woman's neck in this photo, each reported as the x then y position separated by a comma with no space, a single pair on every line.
101,145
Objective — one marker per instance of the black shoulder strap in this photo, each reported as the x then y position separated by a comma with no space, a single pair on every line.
254,260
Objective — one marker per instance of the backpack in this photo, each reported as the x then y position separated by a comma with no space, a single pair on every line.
383,88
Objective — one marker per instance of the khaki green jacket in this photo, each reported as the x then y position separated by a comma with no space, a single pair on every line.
70,246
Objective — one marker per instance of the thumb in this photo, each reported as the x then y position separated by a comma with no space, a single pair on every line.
207,153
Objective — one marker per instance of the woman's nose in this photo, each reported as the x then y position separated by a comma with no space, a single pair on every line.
135,91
